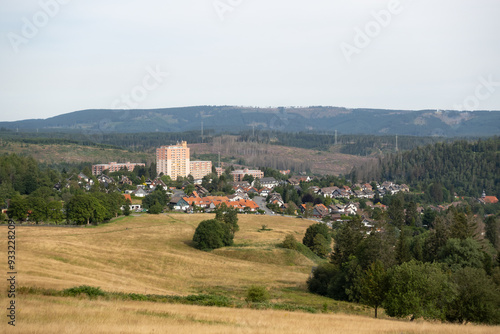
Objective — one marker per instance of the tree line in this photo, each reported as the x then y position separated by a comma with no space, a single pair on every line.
449,272
441,169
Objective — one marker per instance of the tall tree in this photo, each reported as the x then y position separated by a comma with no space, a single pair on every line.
396,211
347,240
492,228
477,298
18,208
372,285
418,290
403,253
54,211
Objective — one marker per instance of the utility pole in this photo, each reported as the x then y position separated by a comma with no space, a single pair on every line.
335,137
396,143
202,132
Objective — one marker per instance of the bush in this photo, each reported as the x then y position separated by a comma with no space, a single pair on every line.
257,294
90,291
209,300
318,238
155,209
321,277
210,234
290,242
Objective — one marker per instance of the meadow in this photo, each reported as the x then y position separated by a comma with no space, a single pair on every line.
153,254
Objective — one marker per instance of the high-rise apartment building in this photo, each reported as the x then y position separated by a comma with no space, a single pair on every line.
200,168
174,161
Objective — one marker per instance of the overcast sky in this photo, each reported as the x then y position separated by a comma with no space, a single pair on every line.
59,56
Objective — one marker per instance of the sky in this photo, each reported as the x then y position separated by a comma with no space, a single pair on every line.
59,56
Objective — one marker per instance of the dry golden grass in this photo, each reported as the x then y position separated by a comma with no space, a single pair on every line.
153,255
72,315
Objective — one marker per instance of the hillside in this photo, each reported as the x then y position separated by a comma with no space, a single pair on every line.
258,154
466,168
281,157
153,255
235,119
73,153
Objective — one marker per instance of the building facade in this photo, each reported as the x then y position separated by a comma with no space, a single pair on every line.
239,174
175,162
115,167
200,168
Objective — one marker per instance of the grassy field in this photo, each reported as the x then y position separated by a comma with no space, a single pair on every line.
71,315
153,255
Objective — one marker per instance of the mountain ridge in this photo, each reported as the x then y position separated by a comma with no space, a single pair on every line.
448,123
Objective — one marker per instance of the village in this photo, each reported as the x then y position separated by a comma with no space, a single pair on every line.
248,190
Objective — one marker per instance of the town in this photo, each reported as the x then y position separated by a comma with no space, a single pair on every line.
185,182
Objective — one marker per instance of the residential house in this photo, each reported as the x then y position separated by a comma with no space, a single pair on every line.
178,203
243,184
276,199
320,211
368,194
264,192
315,189
237,197
158,182
201,190
328,191
351,209
103,178
368,224
140,192
336,208
366,186
125,180
83,177
340,193
268,182
295,180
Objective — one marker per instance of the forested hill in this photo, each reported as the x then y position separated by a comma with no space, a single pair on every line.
462,167
305,119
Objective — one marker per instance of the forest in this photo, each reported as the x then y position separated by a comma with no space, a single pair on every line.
354,144
448,270
441,169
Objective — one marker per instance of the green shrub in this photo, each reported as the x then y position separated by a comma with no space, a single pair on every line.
290,242
155,209
90,291
319,245
209,300
257,294
210,234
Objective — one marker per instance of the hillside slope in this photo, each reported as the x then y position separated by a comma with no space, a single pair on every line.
153,254
73,153
282,157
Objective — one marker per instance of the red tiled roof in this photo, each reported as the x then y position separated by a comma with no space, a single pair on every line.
490,199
